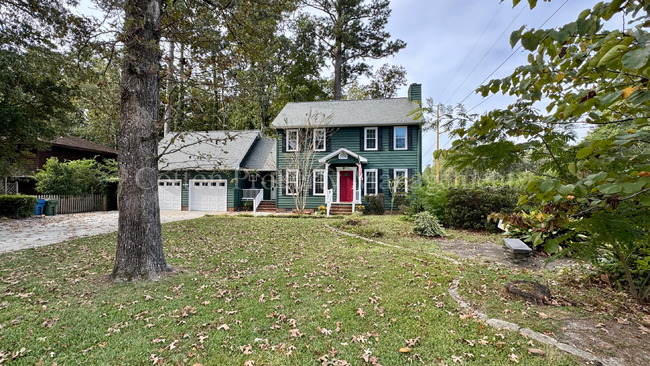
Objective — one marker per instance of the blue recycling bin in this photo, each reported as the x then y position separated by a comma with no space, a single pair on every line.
40,205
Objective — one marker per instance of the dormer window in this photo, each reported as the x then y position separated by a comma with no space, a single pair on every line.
399,139
292,140
370,138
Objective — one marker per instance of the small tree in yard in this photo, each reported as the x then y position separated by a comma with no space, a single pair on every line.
304,145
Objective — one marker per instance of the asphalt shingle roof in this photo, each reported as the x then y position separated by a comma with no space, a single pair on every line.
262,155
347,113
213,150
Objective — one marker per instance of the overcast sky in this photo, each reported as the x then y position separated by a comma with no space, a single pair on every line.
453,45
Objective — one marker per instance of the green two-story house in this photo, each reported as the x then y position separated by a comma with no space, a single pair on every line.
337,152
332,152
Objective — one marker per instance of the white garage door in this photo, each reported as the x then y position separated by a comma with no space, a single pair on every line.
169,194
208,195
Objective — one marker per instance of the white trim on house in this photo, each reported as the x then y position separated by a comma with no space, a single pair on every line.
316,131
297,147
323,182
406,178
365,138
286,185
361,159
366,180
338,181
406,131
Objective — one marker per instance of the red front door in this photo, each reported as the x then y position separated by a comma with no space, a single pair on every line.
346,182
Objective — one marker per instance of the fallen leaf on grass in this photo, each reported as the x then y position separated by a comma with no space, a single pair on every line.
404,350
361,312
543,316
249,363
247,349
173,344
158,340
86,350
224,327
513,357
623,321
536,351
412,342
457,359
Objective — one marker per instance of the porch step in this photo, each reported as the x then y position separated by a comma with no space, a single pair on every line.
341,209
266,206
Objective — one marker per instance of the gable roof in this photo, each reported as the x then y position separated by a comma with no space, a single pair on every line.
213,150
262,155
347,113
361,159
81,144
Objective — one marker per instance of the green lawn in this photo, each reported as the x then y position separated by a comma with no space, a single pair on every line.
276,291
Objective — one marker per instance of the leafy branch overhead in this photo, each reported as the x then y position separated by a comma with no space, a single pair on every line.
578,75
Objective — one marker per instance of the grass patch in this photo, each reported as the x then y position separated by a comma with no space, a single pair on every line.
272,290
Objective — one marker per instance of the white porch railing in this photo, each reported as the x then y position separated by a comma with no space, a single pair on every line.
258,200
329,194
249,194
357,199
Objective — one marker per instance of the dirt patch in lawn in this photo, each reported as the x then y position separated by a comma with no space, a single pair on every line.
489,252
621,340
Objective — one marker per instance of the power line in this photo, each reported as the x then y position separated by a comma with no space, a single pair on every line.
469,53
512,54
487,53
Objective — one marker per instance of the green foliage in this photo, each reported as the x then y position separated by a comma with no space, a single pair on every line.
34,105
468,208
322,209
590,75
427,225
77,177
417,206
17,206
375,204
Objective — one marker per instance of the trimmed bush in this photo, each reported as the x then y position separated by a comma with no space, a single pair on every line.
468,208
375,204
427,225
17,206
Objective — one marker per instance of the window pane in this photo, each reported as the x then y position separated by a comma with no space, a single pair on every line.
371,139
292,140
319,140
400,138
319,182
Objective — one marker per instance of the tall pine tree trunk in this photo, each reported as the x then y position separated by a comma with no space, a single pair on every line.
170,85
338,59
139,253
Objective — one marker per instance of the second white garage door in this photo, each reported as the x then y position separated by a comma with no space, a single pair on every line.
208,195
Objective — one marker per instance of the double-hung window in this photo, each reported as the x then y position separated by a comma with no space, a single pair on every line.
370,138
319,139
399,138
371,181
292,182
401,180
292,140
319,182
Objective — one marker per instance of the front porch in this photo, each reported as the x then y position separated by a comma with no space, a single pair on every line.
347,169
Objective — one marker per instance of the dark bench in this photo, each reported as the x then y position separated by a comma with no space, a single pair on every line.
516,250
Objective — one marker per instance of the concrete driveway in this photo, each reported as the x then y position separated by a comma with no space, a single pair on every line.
46,230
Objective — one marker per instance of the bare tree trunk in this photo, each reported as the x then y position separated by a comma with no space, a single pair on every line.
338,59
139,253
170,80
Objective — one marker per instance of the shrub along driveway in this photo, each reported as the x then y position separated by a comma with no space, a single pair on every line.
46,230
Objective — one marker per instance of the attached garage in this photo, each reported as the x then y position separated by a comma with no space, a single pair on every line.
169,194
209,195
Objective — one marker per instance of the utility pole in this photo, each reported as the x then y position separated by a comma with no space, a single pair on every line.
438,142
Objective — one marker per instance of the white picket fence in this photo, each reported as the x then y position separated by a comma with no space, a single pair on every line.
77,204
